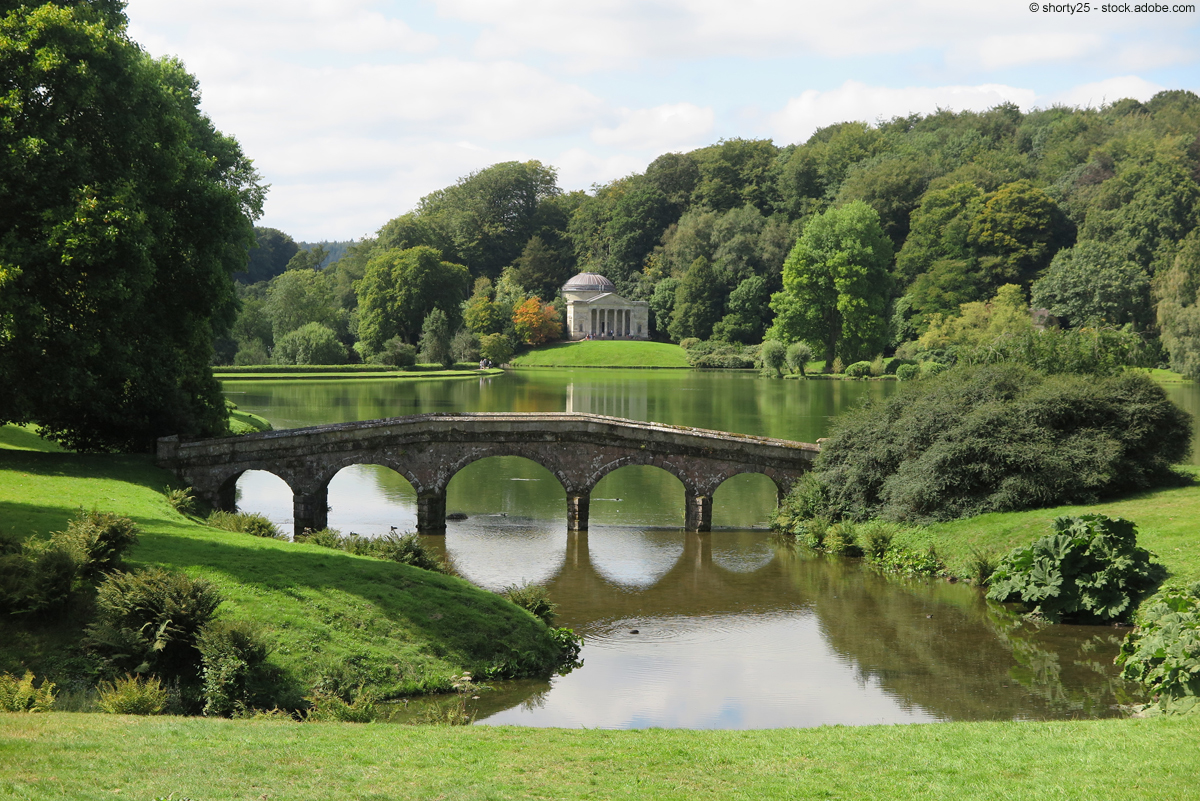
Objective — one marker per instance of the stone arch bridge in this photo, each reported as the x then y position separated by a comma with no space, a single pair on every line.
428,449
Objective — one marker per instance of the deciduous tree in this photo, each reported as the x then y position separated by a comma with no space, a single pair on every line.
123,216
836,285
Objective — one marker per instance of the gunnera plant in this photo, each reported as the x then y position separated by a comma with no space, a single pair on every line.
1088,569
1163,652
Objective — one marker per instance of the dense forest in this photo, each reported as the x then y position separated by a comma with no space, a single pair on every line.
918,235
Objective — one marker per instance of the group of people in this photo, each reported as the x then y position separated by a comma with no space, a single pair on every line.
602,335
485,363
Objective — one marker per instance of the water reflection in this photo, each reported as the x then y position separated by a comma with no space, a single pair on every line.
735,630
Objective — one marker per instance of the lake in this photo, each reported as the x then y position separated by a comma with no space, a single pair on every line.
735,628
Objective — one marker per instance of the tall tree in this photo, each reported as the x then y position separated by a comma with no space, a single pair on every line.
123,215
836,285
699,302
269,256
399,290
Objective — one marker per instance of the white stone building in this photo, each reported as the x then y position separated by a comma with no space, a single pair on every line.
594,309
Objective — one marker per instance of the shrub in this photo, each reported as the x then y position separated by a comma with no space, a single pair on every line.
398,353
1089,568
407,549
907,561
40,578
311,343
181,500
150,622
102,540
233,666
773,356
244,523
894,363
999,438
688,342
1163,652
133,695
798,355
497,348
907,372
326,706
534,599
933,368
859,370
20,695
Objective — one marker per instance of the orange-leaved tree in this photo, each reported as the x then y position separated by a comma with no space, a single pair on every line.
536,322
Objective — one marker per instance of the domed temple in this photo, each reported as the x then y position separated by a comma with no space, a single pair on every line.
595,310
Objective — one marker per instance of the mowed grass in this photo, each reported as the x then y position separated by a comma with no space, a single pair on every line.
604,353
398,629
422,372
60,756
1168,522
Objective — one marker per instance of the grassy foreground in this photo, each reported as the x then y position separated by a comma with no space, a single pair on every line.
604,353
328,614
61,756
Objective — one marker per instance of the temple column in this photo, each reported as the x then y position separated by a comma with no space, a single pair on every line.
310,512
697,512
577,511
431,512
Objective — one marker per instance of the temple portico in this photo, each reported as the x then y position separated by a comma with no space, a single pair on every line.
594,309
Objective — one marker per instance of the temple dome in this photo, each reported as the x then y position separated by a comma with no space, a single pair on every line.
589,282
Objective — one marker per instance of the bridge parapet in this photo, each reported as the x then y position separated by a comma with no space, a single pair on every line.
428,449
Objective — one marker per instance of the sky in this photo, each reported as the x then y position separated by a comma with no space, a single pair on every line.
353,110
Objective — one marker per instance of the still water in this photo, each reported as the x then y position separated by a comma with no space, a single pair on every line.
735,629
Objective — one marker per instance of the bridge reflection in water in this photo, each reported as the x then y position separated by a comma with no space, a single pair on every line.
737,630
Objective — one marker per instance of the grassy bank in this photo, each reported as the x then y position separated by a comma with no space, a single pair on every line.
603,353
275,372
328,614
1166,519
62,756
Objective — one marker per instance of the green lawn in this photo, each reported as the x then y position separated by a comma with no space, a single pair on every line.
402,630
274,372
603,353
61,756
1168,523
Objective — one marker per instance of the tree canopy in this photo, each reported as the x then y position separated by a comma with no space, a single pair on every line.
123,215
401,287
836,285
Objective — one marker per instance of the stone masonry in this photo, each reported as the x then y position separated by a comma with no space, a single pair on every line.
428,449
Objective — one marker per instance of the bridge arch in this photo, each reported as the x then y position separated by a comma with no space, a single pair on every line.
518,450
428,450
370,496
760,485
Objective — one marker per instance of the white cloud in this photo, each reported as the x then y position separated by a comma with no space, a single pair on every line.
670,127
1096,94
856,101
997,52
591,34
260,26
581,169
